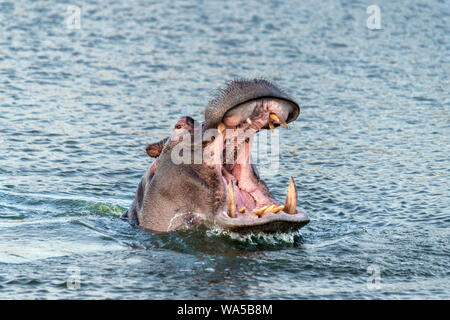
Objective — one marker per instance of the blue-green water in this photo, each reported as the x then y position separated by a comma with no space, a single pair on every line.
369,153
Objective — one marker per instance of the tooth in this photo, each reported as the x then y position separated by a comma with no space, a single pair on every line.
242,210
291,198
248,121
269,209
274,117
221,127
277,209
259,211
271,126
231,201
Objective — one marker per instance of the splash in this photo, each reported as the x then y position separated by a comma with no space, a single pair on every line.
185,221
105,209
80,208
257,239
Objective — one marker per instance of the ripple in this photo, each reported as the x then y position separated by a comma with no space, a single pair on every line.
369,151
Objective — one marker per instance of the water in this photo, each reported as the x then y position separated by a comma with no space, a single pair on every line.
369,152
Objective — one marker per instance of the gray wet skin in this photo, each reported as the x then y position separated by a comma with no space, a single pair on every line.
173,195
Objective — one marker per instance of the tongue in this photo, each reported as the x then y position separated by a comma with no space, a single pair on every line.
247,200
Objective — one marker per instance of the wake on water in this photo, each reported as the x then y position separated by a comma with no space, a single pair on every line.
188,220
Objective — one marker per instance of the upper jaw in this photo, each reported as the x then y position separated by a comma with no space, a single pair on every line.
239,92
284,111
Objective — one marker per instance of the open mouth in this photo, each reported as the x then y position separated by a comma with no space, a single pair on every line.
249,203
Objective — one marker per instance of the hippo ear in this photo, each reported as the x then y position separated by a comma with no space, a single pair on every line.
154,149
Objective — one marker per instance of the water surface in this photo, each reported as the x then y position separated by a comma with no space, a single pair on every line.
369,153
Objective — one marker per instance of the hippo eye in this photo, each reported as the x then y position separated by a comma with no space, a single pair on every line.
178,126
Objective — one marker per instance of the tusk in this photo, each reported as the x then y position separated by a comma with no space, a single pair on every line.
231,201
248,121
221,127
274,117
271,126
242,210
290,205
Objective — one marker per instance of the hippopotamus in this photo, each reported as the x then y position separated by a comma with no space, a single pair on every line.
203,174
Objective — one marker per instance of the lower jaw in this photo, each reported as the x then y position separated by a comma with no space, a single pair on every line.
273,223
256,202
257,211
